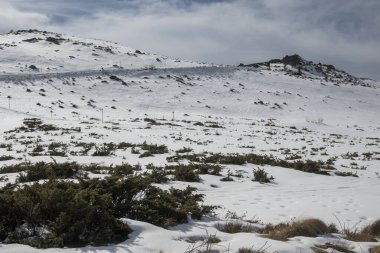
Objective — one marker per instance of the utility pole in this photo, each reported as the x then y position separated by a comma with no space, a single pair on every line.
51,112
102,114
9,102
173,116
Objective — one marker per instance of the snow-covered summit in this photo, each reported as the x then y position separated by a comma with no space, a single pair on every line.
30,51
297,66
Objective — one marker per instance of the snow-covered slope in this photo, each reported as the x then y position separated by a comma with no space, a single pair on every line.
291,108
31,51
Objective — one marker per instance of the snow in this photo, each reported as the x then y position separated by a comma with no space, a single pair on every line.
309,117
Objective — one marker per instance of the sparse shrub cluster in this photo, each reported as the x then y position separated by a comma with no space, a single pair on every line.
6,158
104,150
346,174
191,172
42,170
152,149
309,166
57,149
35,124
184,150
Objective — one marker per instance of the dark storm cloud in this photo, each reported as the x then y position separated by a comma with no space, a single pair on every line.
341,32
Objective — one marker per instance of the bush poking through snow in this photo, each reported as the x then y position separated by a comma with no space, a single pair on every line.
6,158
65,213
42,170
317,167
261,176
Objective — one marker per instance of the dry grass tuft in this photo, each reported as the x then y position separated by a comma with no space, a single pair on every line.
213,240
375,250
235,227
307,228
249,250
373,228
325,247
367,234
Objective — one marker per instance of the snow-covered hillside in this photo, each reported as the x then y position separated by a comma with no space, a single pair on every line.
288,111
33,51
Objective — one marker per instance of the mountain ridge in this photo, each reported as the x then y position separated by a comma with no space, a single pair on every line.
35,51
297,66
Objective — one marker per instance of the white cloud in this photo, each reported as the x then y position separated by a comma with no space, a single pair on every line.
344,33
13,18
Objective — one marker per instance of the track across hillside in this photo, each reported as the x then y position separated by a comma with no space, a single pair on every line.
199,71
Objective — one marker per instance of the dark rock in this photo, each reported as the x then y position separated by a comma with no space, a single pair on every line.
32,40
33,67
54,40
292,60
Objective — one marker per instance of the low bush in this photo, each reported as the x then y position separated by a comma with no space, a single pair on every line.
42,170
186,173
184,150
57,214
346,174
106,150
156,174
6,158
124,170
309,166
65,213
261,176
154,148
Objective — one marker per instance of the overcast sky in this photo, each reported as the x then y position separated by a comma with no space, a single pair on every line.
345,33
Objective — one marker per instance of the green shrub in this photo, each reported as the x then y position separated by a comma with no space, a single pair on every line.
154,148
346,174
309,166
6,158
42,170
261,176
186,173
184,150
156,174
191,172
146,154
106,150
74,215
87,211
124,170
